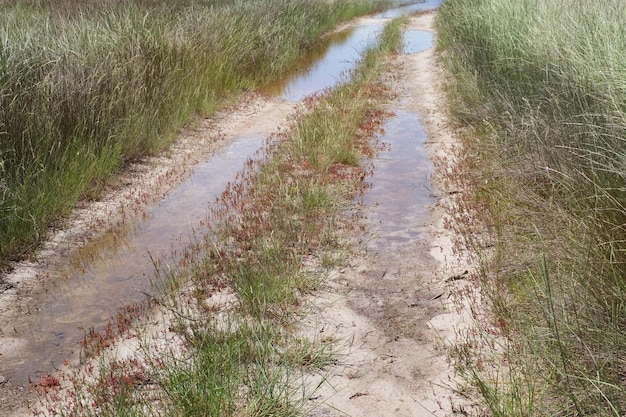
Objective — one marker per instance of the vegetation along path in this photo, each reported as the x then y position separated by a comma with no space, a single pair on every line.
324,286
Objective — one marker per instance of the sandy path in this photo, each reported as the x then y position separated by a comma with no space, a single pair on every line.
394,310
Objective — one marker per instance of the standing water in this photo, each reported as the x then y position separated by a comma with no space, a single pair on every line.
407,9
331,68
397,202
116,269
400,193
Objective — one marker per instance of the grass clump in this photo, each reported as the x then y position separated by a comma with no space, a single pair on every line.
539,87
272,231
87,87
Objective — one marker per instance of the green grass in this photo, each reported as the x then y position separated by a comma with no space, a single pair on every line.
271,235
539,88
87,87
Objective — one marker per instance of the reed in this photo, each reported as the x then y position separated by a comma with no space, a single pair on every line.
539,87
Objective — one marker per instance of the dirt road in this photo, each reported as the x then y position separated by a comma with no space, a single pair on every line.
392,310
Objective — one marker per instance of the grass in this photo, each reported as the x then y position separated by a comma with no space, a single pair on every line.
271,234
86,88
538,88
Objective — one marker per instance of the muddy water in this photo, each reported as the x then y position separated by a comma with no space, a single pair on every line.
117,269
398,201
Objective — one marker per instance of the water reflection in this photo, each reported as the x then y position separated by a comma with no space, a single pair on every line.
398,201
328,64
409,9
415,41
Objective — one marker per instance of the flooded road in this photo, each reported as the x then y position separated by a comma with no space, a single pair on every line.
388,304
418,6
400,194
331,67
117,268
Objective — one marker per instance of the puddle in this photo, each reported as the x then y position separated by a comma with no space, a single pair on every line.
397,203
409,9
117,269
329,63
341,52
415,41
400,195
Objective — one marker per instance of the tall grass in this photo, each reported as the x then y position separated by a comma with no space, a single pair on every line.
87,86
542,87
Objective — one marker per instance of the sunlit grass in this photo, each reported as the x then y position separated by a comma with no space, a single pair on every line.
540,87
